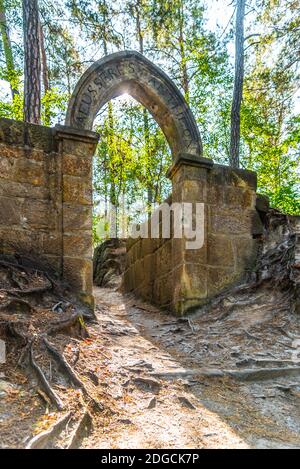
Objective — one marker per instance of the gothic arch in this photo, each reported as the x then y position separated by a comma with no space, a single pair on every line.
130,72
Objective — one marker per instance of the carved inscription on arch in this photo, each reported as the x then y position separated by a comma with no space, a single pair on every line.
130,72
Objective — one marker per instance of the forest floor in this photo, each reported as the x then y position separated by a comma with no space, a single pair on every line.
163,375
164,382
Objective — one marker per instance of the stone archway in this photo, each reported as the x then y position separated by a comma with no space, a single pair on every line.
130,72
49,203
167,272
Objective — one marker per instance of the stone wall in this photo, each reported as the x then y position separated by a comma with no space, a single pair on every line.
164,272
46,211
46,198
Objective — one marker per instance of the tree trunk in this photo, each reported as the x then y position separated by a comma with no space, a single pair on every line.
238,85
9,59
183,67
32,62
44,66
145,113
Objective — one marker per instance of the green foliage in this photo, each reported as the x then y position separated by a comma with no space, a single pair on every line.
54,103
270,129
133,155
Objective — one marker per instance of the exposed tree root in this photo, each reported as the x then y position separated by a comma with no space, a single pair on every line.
82,430
38,316
17,305
262,374
45,439
54,398
74,322
71,374
64,365
30,291
274,273
11,328
247,374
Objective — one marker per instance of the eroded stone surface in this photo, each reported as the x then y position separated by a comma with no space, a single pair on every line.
169,274
130,72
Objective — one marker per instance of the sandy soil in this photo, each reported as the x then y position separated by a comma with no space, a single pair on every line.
161,401
164,382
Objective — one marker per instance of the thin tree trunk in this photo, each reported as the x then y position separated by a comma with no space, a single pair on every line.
112,150
9,59
238,85
145,113
183,67
45,76
44,66
32,62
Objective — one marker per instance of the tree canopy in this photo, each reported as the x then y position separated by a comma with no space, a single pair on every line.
198,54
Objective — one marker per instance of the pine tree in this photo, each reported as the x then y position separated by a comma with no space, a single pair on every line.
238,85
32,62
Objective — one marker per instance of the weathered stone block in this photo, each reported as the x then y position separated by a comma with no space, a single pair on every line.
11,131
262,203
11,211
77,217
219,279
150,267
52,243
39,214
54,263
30,171
126,284
215,194
77,190
144,290
164,258
40,137
189,172
20,240
140,275
220,251
257,227
245,252
147,246
190,280
128,259
178,251
163,290
193,191
77,148
129,243
78,245
22,152
77,165
239,197
79,272
230,221
225,175
19,189
23,170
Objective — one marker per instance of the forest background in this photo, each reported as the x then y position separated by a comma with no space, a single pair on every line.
237,64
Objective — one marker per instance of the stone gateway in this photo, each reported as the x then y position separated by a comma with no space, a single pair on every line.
46,193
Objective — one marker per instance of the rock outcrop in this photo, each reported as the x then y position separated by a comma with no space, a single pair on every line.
109,263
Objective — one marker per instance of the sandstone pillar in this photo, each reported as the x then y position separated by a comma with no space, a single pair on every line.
189,177
76,148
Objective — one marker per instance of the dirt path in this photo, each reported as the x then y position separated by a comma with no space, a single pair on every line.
165,382
151,372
